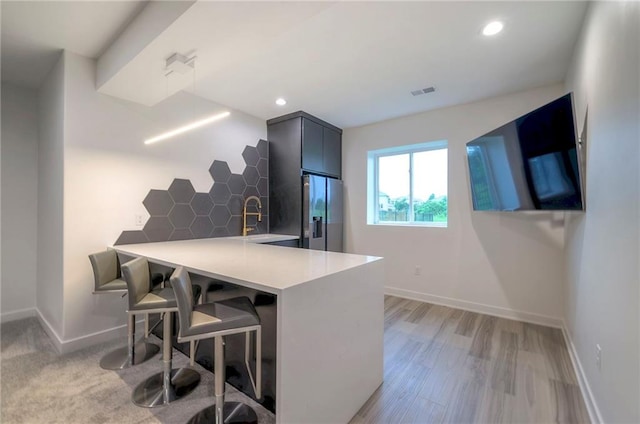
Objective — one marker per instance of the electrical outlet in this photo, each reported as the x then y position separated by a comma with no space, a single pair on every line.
417,271
598,357
139,219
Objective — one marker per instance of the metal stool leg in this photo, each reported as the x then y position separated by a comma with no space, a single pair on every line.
193,348
219,376
256,381
130,355
223,412
170,384
131,337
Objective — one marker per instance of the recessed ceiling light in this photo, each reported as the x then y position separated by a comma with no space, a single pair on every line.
492,28
281,101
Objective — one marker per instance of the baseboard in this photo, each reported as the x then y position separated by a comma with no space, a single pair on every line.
48,328
476,307
587,394
77,343
16,315
66,346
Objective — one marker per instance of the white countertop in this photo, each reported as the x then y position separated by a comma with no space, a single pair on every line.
263,238
242,260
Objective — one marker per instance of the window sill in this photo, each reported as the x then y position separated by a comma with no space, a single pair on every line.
410,224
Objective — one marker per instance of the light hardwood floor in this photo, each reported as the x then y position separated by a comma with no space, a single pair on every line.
444,365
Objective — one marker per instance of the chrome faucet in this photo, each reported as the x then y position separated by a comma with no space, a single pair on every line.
245,230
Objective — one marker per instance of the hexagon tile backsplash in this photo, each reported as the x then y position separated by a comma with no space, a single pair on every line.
179,213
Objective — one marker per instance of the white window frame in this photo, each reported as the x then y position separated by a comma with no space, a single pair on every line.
373,193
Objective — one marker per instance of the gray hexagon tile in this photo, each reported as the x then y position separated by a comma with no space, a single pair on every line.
180,213
235,226
220,172
201,204
250,155
263,186
201,227
158,202
235,204
181,191
262,226
220,215
250,175
181,216
158,228
263,168
220,193
263,149
132,237
220,232
236,184
181,234
251,191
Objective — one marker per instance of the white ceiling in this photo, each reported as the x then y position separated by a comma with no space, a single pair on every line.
350,63
34,33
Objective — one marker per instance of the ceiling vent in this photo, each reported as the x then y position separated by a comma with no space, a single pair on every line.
423,91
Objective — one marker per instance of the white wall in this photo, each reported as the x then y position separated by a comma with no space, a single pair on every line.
49,287
19,156
108,172
508,264
602,294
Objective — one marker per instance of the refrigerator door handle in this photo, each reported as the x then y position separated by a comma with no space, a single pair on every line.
317,226
305,208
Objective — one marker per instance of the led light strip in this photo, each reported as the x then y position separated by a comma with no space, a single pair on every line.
188,127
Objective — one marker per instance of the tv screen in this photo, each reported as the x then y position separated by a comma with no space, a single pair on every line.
530,163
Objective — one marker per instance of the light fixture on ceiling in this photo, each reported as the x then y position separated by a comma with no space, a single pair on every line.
182,64
281,102
492,28
188,127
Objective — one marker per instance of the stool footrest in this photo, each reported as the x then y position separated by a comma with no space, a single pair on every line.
234,413
151,393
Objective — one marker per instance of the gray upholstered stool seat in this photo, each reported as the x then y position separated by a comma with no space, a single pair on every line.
157,298
216,320
222,315
170,384
114,285
108,279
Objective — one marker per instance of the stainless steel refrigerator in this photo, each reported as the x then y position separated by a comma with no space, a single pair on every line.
322,215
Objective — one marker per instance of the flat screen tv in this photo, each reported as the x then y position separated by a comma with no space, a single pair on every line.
530,163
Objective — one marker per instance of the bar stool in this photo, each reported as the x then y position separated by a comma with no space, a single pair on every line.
108,279
172,383
216,320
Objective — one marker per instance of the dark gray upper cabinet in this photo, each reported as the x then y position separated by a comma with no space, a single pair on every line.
317,143
298,143
332,151
312,146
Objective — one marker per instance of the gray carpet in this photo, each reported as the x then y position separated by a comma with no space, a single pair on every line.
40,386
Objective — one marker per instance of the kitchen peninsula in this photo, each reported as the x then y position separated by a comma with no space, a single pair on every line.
330,317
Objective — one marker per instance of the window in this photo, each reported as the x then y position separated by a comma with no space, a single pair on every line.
408,185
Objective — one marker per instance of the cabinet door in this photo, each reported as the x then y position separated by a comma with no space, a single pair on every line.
312,156
332,152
